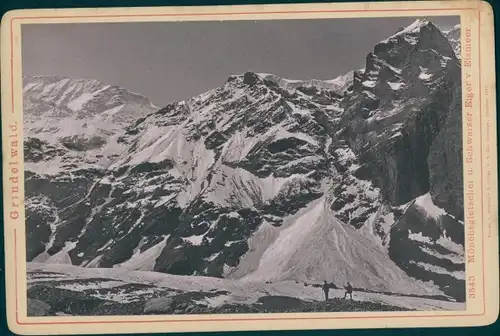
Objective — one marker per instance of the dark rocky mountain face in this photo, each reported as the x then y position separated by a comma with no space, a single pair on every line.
211,185
402,121
397,107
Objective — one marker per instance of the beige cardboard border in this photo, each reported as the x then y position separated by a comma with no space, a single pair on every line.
480,171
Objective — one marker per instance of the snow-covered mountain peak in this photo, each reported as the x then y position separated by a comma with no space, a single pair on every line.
415,26
80,119
343,80
336,85
409,31
421,35
81,98
245,111
455,28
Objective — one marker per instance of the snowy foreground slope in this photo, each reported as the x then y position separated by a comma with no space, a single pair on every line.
261,181
75,290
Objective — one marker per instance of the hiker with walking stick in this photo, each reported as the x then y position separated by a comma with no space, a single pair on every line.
326,289
348,290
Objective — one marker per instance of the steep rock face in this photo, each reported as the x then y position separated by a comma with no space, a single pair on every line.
269,179
402,122
445,160
398,106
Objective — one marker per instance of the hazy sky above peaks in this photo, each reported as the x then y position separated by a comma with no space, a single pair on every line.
170,61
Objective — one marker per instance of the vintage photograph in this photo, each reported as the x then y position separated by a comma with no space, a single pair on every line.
246,166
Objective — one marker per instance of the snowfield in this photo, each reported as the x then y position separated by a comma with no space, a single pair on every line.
316,247
242,292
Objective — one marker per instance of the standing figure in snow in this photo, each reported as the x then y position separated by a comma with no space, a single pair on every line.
326,290
348,290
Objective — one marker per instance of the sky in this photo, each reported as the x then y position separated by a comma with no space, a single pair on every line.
172,61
